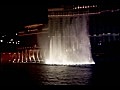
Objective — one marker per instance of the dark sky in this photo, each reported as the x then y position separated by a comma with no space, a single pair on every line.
16,14
104,23
104,3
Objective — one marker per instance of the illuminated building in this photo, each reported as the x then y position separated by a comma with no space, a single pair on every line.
25,44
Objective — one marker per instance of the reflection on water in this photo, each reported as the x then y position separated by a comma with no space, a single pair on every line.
36,74
102,73
62,75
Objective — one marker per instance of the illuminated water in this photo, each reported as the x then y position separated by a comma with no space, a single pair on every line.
33,75
69,41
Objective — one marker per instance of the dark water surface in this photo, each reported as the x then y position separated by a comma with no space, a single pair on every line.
36,75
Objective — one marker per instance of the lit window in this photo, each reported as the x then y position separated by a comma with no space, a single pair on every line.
16,33
93,5
11,39
90,6
99,44
85,6
1,40
9,42
94,35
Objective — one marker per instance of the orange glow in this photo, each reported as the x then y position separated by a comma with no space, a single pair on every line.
55,9
33,33
45,29
21,32
33,26
88,13
32,30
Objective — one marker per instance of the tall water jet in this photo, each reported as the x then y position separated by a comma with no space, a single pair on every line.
69,42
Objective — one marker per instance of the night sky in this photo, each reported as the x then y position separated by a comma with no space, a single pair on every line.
18,14
103,3
104,23
15,15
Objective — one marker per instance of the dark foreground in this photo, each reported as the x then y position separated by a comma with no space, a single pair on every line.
36,74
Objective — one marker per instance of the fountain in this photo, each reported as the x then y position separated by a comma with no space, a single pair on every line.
69,42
